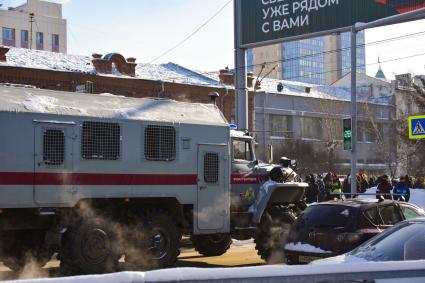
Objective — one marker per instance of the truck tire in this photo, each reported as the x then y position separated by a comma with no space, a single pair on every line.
272,232
90,247
156,243
212,245
24,247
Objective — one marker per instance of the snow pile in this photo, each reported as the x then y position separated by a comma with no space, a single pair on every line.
307,248
43,104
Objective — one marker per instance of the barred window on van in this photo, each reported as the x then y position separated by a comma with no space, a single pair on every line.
101,141
211,168
53,147
160,143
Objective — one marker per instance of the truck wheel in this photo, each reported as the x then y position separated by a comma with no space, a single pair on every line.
24,247
90,247
272,232
212,245
157,243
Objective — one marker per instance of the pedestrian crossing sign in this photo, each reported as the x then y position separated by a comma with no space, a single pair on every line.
417,127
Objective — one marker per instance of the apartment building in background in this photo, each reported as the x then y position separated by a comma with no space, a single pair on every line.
42,17
321,60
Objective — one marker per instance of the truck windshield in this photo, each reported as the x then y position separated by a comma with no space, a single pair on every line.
242,150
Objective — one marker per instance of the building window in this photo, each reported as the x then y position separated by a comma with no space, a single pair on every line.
311,128
39,40
101,141
281,126
9,36
24,39
160,143
55,42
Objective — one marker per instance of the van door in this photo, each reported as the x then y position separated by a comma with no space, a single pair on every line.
213,189
53,163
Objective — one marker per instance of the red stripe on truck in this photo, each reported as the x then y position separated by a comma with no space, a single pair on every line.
90,179
248,179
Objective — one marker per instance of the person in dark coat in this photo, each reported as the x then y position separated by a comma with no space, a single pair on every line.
402,190
384,188
372,182
312,191
321,188
346,187
364,184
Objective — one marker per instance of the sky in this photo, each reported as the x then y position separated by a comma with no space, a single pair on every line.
146,29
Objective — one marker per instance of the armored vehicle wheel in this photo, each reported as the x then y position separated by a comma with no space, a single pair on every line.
90,247
272,233
212,245
25,247
156,243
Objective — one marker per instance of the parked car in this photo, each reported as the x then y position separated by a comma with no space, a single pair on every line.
335,227
404,241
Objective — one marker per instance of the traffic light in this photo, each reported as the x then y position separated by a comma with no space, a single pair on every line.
348,134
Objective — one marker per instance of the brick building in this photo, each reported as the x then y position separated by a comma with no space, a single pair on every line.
112,73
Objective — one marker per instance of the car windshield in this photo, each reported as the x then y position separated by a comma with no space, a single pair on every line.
405,241
326,216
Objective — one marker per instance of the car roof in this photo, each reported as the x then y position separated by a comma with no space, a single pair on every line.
355,203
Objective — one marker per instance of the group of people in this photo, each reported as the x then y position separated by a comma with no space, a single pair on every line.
328,186
400,190
322,188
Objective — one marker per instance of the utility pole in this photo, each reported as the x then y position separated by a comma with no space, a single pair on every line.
353,174
31,21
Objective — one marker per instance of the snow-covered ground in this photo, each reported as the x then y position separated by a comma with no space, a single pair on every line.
417,196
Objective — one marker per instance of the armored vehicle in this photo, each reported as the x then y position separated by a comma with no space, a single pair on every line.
97,178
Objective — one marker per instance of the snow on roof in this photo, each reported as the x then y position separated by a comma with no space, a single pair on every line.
175,73
323,92
171,72
18,99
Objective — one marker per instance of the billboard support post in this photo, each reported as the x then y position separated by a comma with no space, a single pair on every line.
241,90
353,110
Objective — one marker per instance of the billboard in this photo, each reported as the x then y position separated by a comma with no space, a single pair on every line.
269,20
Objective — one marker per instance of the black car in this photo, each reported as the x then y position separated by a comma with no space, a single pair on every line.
404,241
336,227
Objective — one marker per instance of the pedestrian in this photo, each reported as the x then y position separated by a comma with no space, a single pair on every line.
402,190
372,182
328,188
384,188
321,188
312,191
336,187
346,187
364,184
409,181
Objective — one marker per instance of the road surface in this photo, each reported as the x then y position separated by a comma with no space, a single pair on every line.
241,253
